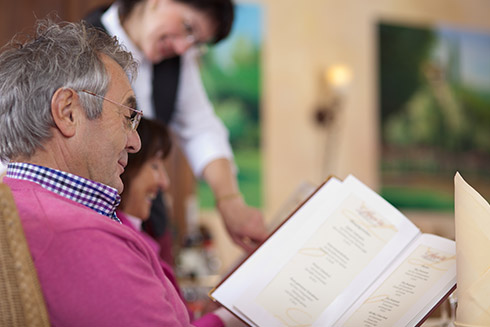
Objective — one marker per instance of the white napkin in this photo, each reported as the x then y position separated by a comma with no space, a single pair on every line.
472,223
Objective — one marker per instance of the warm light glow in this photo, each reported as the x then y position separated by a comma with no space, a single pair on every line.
338,77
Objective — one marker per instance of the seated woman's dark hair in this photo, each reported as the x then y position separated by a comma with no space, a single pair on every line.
155,141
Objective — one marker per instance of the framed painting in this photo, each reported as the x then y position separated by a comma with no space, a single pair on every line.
434,98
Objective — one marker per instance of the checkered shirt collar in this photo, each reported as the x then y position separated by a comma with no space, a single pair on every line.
96,196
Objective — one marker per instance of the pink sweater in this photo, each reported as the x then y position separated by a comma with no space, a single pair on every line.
93,271
208,320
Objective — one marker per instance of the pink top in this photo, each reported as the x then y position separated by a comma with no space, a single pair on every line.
208,320
93,271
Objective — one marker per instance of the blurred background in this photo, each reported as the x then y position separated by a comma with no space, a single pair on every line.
396,92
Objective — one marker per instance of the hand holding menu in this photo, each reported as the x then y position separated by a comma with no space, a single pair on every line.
346,257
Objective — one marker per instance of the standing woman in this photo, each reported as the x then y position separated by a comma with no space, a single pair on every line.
143,178
164,35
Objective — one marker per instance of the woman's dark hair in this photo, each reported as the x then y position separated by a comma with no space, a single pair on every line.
221,12
155,139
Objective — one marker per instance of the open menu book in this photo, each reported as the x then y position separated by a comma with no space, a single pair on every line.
345,257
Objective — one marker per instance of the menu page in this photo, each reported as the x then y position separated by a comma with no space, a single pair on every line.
326,264
263,264
320,261
420,276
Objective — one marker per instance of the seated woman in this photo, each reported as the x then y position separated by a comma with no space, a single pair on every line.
143,177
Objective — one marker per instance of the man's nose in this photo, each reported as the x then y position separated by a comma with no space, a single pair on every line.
133,142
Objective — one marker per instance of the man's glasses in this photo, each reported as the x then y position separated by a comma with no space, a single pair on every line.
136,114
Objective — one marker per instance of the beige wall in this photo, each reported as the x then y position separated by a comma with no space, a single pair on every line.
302,38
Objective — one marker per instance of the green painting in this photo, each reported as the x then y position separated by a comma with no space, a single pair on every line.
434,97
231,75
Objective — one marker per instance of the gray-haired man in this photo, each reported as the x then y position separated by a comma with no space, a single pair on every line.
67,123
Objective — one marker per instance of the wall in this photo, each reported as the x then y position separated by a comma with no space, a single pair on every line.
302,38
19,15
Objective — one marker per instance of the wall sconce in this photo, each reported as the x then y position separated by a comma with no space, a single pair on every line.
335,81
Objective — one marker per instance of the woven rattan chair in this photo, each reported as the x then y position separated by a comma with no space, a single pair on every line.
21,300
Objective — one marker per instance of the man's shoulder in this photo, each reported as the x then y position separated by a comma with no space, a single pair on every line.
32,201
44,212
48,219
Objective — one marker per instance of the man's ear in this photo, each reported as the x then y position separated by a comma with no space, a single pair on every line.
66,109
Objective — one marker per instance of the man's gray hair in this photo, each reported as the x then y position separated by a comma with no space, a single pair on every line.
57,55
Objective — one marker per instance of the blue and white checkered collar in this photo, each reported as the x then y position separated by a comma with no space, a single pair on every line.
96,196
